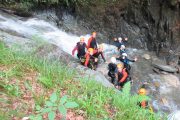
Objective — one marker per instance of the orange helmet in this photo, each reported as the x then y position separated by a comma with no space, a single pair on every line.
120,65
90,50
81,39
94,33
142,91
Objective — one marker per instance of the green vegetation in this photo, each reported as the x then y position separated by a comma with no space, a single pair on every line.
26,78
53,105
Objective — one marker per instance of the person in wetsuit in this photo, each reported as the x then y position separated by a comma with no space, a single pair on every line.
121,76
92,41
112,69
81,48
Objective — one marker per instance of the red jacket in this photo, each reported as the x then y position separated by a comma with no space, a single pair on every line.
124,75
87,56
92,43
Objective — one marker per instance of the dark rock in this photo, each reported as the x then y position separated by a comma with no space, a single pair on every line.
18,12
166,68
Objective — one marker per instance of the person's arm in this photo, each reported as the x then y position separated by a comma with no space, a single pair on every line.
86,45
118,58
73,51
116,80
129,60
87,60
89,42
102,55
125,75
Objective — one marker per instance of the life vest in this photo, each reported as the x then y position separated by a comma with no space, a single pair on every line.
144,104
121,75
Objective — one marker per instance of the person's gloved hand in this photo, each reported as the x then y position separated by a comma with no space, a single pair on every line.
135,59
96,60
126,39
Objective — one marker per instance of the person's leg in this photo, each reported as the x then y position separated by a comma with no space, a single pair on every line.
78,56
110,74
113,80
123,83
82,60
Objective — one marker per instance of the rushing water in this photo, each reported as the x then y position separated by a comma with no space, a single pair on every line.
43,29
36,27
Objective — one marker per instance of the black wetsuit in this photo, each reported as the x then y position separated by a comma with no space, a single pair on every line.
112,70
81,49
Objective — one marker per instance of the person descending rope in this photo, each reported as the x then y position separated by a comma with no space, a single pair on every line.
92,41
123,58
99,51
90,61
80,47
112,69
121,76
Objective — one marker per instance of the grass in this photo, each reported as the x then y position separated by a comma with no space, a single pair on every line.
28,78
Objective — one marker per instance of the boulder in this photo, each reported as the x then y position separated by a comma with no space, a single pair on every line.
146,56
171,80
166,68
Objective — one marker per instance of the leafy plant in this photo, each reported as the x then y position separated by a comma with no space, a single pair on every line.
54,105
10,89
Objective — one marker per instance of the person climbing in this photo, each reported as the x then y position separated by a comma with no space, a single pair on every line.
80,47
90,60
99,51
112,69
121,76
142,93
92,41
120,40
122,49
123,58
143,100
126,39
116,42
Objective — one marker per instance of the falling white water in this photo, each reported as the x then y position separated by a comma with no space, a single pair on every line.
45,30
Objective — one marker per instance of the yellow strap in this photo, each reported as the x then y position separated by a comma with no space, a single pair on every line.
151,109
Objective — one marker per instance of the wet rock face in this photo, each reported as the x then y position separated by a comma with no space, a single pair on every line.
151,24
158,20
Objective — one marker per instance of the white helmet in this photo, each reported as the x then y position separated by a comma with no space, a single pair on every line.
124,54
123,47
119,38
113,60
